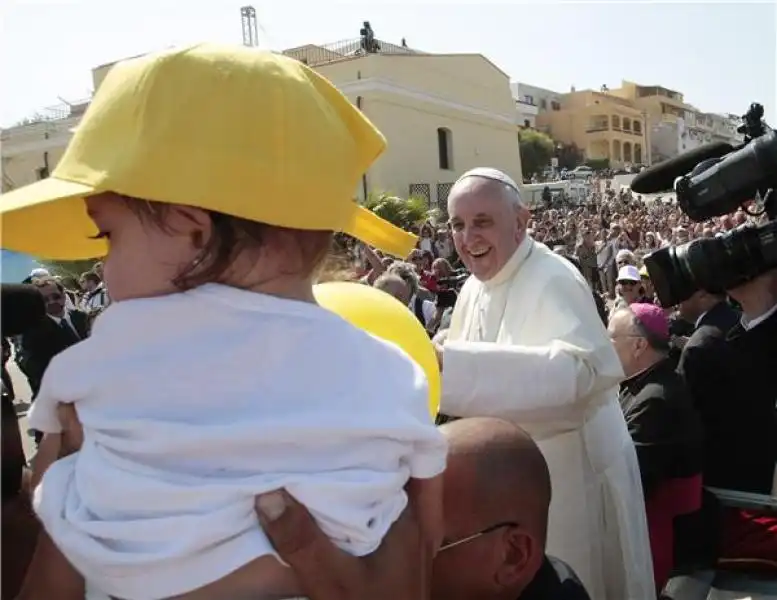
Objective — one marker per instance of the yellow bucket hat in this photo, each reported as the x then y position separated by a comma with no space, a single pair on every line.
244,132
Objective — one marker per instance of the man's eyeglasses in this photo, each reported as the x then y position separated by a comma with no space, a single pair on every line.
474,536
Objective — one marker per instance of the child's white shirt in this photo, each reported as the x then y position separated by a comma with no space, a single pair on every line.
194,403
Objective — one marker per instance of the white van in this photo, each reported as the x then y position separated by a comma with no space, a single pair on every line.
571,192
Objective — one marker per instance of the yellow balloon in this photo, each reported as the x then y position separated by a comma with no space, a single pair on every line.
387,318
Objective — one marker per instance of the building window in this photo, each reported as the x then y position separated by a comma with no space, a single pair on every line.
421,190
544,104
445,148
555,105
616,122
443,189
626,124
637,127
638,154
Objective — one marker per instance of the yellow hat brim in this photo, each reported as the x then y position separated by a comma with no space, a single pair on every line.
368,227
48,220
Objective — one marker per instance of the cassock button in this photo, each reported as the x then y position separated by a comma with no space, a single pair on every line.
371,523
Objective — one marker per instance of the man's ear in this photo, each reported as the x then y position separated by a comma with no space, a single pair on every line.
521,559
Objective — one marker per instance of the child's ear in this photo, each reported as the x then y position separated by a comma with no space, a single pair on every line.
192,222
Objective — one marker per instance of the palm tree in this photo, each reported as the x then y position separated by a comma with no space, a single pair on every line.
405,213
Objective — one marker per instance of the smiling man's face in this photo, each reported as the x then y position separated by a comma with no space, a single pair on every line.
486,227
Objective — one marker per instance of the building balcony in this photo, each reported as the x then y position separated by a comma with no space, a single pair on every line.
596,128
314,55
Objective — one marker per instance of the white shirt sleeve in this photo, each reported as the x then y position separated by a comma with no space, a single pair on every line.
555,378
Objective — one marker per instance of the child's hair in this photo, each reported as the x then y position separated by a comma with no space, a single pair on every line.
231,235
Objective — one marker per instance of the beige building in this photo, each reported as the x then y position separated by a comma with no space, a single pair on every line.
30,150
602,125
674,125
442,114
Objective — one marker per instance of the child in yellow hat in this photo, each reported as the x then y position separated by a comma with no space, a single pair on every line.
217,176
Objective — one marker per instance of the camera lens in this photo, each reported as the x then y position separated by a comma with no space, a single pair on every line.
669,274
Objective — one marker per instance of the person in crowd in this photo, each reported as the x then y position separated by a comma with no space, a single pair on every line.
422,261
61,330
496,502
95,296
447,291
7,382
198,277
731,378
443,246
705,309
625,258
402,290
426,239
648,291
418,299
628,287
664,425
586,254
525,344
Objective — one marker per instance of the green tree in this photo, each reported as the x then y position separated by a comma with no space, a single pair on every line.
405,213
69,268
569,155
536,151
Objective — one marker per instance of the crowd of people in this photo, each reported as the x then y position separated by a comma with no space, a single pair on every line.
215,420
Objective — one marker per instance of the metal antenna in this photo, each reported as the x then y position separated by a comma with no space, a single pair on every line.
250,30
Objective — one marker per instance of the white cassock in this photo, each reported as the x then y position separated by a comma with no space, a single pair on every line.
528,346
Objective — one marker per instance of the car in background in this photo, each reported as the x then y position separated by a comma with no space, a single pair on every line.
581,172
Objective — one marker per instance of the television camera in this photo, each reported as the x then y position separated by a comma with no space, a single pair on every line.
717,186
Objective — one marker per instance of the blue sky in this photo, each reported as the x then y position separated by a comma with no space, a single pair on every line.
15,267
721,56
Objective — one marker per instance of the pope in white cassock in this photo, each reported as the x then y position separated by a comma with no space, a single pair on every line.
527,345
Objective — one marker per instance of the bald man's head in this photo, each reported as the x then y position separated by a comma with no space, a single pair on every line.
497,496
504,467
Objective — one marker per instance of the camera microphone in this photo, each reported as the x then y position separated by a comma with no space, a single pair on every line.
22,308
661,177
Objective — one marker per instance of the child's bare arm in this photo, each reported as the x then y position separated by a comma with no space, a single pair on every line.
50,575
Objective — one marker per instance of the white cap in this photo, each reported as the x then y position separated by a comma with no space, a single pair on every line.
629,273
623,254
492,174
40,272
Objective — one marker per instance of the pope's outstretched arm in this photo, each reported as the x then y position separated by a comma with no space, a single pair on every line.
555,366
